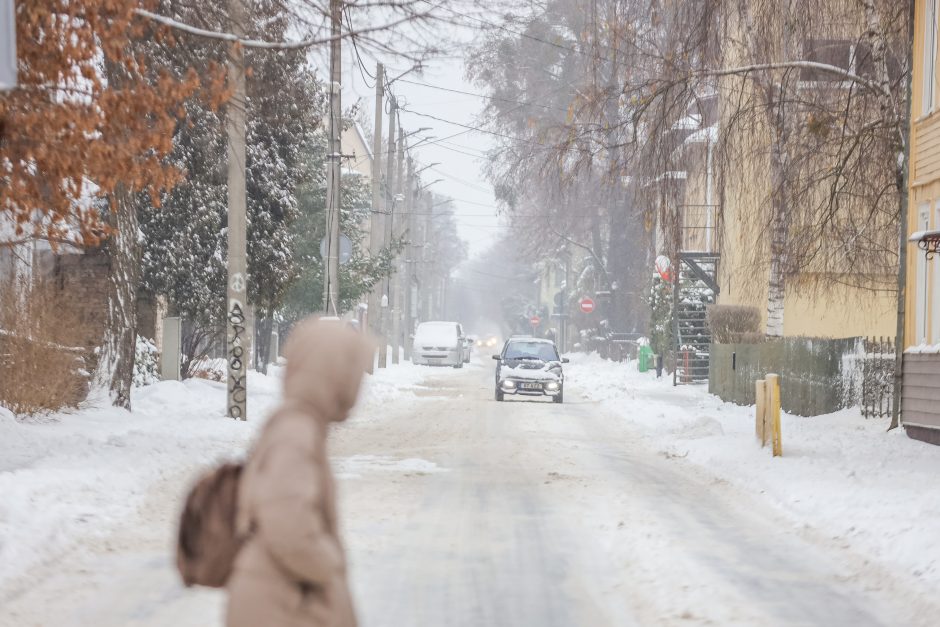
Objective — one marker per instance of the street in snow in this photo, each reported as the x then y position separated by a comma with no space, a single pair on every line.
627,505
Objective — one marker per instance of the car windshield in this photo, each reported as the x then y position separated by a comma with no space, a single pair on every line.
531,350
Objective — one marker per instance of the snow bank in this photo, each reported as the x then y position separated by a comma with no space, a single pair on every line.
73,478
841,474
358,465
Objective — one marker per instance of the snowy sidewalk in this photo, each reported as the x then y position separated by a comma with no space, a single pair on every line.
840,475
70,480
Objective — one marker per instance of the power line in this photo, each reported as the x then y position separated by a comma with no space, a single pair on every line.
363,70
495,276
553,44
469,184
488,132
485,97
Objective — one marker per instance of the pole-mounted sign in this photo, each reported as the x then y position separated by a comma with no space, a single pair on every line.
7,45
586,304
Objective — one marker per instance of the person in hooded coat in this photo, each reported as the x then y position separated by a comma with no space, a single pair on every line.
291,571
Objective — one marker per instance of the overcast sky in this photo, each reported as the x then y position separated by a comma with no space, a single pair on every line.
460,157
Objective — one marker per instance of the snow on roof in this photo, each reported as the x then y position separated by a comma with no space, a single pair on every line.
690,122
920,236
365,142
704,135
924,348
529,338
670,175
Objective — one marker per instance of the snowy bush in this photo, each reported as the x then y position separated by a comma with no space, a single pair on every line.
146,362
734,323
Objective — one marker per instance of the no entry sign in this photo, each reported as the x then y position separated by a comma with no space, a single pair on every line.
534,321
587,305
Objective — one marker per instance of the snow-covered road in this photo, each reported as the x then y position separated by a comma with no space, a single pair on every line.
462,511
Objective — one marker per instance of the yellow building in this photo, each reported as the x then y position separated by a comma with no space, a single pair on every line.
823,299
920,409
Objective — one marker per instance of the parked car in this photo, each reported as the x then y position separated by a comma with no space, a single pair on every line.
439,344
530,366
468,343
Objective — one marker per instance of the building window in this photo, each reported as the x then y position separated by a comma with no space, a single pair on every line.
930,54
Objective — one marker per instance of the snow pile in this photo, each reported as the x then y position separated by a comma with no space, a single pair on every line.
386,385
358,465
70,480
840,474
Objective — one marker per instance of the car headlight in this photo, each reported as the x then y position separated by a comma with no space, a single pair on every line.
509,385
551,385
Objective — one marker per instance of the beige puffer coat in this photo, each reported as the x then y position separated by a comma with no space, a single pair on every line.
292,569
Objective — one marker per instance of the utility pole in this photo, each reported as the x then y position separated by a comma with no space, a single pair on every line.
409,256
389,220
426,287
237,339
395,283
377,220
333,188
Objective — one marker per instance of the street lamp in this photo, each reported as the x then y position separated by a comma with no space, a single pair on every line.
420,130
423,140
420,170
428,185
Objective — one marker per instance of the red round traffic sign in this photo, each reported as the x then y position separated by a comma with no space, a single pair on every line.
534,321
587,305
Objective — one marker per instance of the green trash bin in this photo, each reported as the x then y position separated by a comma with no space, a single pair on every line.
645,357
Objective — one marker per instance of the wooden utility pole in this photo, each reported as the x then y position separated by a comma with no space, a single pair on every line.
389,220
333,187
408,260
395,283
377,220
237,339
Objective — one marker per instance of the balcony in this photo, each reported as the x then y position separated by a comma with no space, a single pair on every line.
699,229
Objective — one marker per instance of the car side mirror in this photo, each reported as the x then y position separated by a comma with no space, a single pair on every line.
565,360
496,357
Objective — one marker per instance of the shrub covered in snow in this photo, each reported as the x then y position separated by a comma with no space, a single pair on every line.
146,362
734,323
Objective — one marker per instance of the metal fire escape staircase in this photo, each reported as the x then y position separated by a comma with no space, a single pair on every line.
696,288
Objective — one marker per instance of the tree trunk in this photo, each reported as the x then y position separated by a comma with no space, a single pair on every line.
618,253
263,327
121,335
779,228
902,122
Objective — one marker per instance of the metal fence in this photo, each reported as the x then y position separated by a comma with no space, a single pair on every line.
878,360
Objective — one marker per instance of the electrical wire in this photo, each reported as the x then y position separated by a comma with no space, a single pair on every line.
521,103
488,132
528,36
363,70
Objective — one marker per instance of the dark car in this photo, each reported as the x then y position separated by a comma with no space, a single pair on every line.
531,367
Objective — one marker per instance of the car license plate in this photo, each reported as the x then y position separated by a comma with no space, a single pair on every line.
531,386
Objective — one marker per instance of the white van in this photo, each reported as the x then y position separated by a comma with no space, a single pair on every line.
439,344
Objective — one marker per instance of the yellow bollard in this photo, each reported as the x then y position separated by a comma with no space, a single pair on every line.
773,406
760,406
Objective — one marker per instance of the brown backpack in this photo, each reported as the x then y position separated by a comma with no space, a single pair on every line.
208,535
